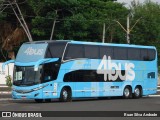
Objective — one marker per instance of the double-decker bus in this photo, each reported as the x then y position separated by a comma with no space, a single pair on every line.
64,69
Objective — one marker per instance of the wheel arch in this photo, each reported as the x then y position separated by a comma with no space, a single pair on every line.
129,86
67,87
65,94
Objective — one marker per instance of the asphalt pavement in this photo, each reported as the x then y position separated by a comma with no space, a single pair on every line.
5,93
91,107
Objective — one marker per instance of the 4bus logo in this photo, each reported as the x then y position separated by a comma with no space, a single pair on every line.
32,51
113,70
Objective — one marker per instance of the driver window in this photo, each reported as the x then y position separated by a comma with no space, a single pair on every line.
50,71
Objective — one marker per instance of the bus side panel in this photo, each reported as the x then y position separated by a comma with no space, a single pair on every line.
150,77
110,89
79,89
150,82
51,90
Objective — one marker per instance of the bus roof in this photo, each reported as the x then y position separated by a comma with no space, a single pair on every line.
112,44
90,43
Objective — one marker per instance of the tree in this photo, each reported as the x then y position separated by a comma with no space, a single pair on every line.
12,35
147,31
67,19
79,20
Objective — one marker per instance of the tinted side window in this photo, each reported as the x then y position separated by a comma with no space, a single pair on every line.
133,54
120,53
55,50
74,51
88,76
48,54
144,55
151,54
91,51
81,76
106,50
50,71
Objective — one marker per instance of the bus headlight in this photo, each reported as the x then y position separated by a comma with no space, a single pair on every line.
38,88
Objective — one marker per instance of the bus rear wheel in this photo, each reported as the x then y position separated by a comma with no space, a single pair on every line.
137,92
127,92
66,95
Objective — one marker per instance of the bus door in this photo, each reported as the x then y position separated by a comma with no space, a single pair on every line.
48,78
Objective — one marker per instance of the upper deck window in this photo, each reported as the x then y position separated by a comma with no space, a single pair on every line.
106,50
74,51
55,50
120,53
91,51
151,54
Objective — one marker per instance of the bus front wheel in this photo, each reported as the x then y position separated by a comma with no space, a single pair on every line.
127,92
66,95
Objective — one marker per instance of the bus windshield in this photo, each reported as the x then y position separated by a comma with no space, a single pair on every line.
26,76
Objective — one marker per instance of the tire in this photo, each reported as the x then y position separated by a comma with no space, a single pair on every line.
127,93
39,100
66,95
137,92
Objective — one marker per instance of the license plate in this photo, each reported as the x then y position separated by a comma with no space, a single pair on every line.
23,97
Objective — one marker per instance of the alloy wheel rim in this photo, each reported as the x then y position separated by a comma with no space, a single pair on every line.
137,92
126,92
65,94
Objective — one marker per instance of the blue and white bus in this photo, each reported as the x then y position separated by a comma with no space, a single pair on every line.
64,69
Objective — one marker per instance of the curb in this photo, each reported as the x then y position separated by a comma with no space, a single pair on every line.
5,92
154,95
3,99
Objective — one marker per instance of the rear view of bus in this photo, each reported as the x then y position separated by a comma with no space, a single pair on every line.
46,70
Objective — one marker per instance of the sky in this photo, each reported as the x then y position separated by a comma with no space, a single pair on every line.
141,1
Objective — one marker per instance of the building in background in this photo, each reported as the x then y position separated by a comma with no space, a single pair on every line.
8,71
